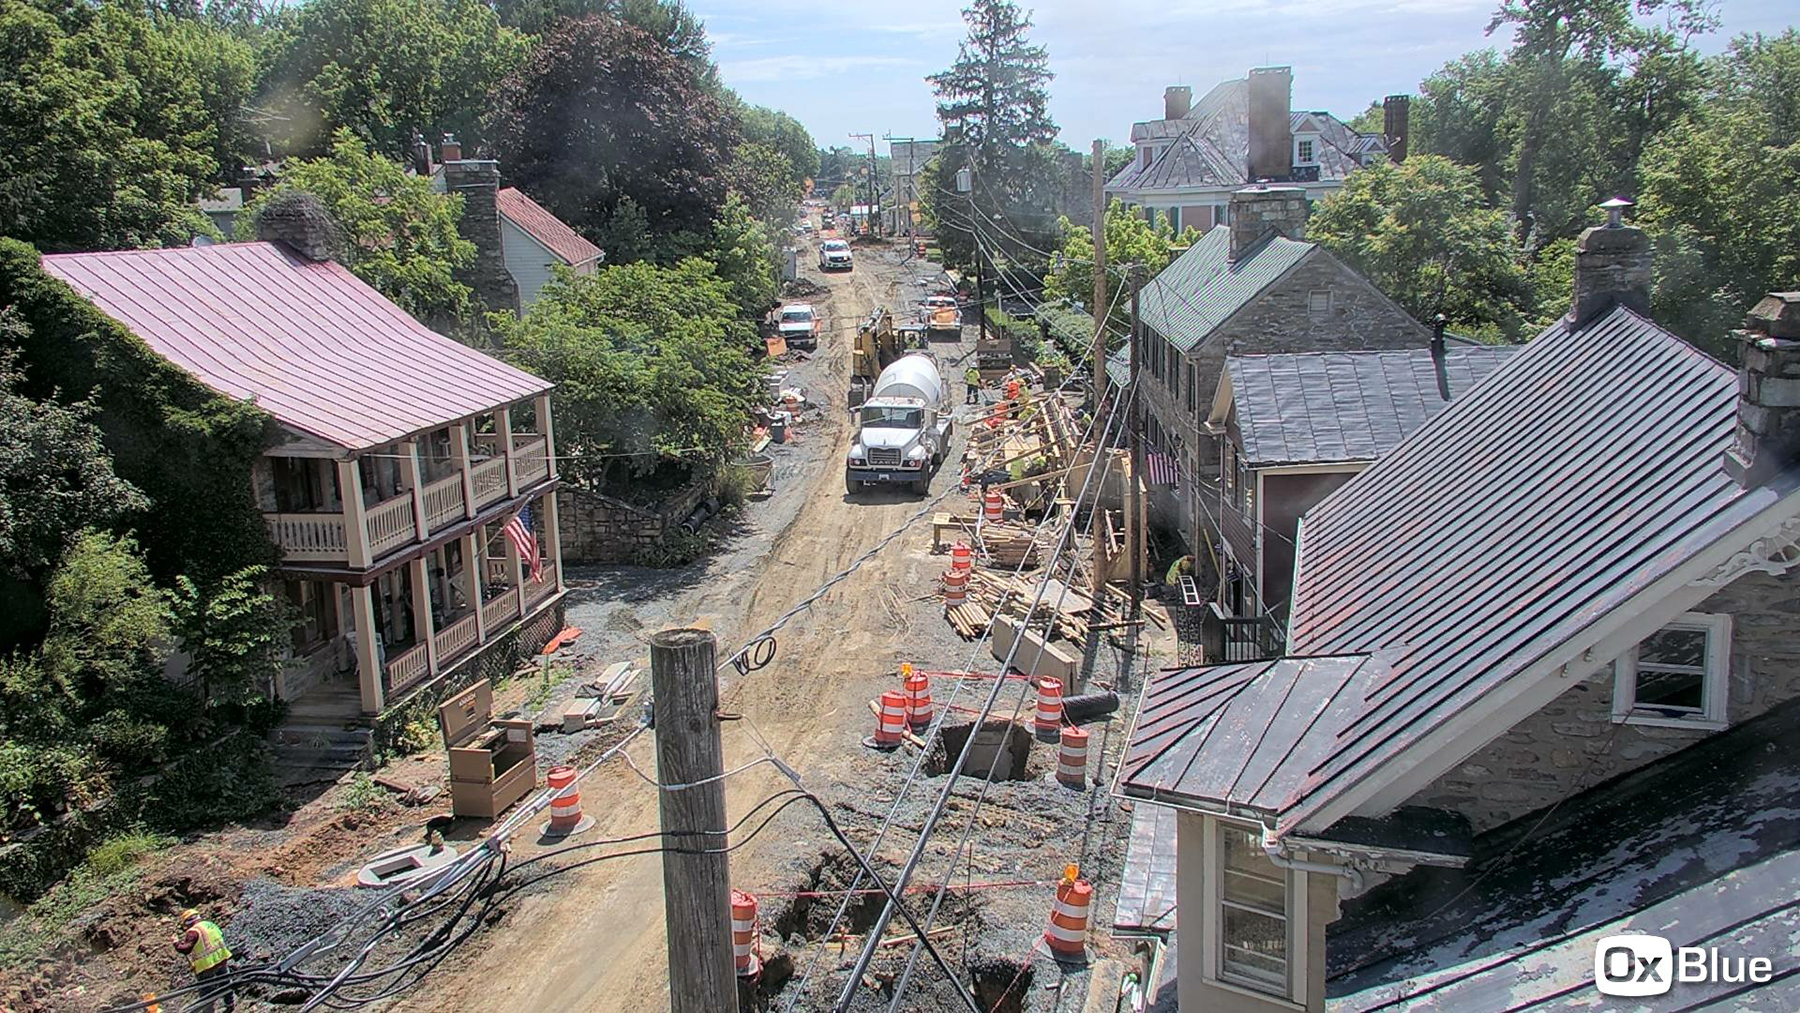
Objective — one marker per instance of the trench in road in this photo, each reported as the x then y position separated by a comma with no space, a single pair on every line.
594,940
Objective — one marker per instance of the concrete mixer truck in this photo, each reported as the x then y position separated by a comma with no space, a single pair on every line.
903,428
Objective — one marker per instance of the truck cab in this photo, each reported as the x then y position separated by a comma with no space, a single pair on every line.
903,429
943,315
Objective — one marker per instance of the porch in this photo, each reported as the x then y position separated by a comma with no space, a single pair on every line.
357,512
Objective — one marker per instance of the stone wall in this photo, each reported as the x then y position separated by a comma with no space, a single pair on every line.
1572,744
597,528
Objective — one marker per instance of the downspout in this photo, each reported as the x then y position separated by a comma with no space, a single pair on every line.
1273,848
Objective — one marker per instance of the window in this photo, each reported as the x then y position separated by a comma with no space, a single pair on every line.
1303,152
1318,302
1253,917
1677,677
1190,386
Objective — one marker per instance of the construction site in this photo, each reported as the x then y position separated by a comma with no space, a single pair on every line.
888,721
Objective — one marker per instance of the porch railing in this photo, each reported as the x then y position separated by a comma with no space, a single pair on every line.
502,608
529,459
391,525
1227,638
536,590
456,638
489,479
308,536
444,501
406,669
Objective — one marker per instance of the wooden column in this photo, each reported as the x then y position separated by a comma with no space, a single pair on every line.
475,571
553,536
409,467
422,625
368,665
696,888
543,424
503,422
459,446
515,566
356,527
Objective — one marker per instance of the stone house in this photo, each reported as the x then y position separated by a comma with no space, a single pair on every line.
1187,165
1255,286
1541,690
403,457
1293,428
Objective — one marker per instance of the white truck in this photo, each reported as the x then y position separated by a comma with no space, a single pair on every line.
904,427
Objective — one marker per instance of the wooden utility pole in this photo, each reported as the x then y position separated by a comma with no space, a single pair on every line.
696,888
1099,234
1134,520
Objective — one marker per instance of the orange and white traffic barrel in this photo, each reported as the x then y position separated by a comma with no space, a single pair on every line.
918,699
1067,934
993,507
890,723
565,804
961,556
746,942
1049,706
1071,761
956,585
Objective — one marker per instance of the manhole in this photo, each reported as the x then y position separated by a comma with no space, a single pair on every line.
1001,746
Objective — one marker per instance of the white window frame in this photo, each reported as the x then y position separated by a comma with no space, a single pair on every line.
1212,969
1306,150
1716,678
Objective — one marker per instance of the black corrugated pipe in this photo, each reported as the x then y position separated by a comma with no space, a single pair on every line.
1088,706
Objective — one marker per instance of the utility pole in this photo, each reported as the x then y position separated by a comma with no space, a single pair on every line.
696,887
1100,307
1134,520
869,208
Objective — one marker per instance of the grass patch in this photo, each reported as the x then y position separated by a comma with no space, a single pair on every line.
548,680
362,794
108,869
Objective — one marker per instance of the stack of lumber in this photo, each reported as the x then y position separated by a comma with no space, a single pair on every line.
1061,610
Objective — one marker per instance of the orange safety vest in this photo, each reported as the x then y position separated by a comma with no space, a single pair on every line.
210,951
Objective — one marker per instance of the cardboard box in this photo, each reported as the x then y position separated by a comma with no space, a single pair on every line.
492,763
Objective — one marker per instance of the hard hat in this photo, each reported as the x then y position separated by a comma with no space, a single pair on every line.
189,915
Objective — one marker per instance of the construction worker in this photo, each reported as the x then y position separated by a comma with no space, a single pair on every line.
208,955
972,380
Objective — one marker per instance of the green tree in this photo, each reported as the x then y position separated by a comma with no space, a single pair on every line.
1718,192
399,235
601,113
764,179
652,367
112,123
1129,240
743,255
384,69
110,626
232,633
994,104
777,130
1421,233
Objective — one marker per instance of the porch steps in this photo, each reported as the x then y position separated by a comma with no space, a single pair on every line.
321,740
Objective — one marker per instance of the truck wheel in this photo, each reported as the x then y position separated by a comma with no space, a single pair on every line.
851,485
921,486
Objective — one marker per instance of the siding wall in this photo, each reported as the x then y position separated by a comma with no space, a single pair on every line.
1572,744
528,262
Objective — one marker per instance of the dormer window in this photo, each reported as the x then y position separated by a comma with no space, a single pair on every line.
1305,151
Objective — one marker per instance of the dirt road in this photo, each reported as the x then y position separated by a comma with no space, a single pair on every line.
594,941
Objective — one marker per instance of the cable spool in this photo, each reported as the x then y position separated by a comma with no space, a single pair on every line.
566,819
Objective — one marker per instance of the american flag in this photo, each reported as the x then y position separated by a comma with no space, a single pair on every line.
1161,468
519,530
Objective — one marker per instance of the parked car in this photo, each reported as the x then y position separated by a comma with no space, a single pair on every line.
834,254
798,325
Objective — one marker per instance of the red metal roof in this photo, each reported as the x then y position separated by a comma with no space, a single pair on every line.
546,228
308,342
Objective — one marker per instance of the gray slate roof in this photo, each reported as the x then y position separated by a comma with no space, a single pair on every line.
1699,847
1202,288
1321,407
1587,466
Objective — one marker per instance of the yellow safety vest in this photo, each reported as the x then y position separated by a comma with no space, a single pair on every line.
210,951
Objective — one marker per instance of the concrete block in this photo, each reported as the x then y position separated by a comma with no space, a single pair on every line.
1035,657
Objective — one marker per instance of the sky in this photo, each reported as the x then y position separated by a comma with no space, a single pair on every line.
857,66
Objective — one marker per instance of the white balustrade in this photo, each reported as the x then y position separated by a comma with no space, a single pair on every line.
391,525
529,459
489,479
405,670
456,638
444,501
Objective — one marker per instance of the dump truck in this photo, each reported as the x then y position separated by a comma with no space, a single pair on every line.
903,428
943,316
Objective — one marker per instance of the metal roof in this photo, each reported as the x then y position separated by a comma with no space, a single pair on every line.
1586,467
1695,846
308,342
1319,407
1202,288
551,232
1147,877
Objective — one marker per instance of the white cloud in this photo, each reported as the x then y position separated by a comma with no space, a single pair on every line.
803,68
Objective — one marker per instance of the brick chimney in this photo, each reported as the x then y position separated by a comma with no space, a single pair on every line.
478,181
450,150
1177,100
1767,438
1612,268
1258,210
300,222
1396,110
1270,96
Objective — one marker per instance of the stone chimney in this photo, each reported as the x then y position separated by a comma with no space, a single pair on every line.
1396,110
1767,438
1257,211
477,180
450,150
300,222
1612,268
1177,100
1271,131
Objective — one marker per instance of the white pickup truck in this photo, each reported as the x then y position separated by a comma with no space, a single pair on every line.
904,427
798,325
834,254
